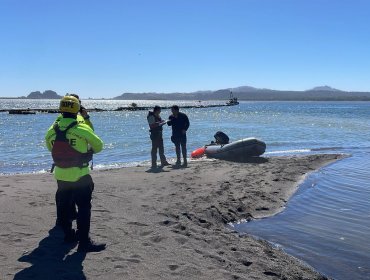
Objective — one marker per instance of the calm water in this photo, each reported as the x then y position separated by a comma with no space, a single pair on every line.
326,223
283,126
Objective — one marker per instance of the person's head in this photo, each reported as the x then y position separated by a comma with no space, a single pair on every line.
69,106
79,100
75,95
156,110
175,110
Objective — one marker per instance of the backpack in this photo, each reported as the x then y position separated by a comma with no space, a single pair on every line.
221,138
63,154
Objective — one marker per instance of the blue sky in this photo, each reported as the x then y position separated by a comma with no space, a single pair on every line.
105,48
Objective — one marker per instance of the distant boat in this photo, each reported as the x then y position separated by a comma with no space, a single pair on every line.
232,101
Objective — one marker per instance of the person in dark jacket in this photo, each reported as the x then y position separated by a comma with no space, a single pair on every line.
180,124
155,124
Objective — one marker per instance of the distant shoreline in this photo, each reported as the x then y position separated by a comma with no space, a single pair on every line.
206,100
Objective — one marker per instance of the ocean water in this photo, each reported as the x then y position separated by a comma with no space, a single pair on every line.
326,223
284,126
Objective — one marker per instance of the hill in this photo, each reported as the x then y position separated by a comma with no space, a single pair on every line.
323,93
47,94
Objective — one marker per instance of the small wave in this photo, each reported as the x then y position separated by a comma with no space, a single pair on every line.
289,151
121,165
25,173
328,149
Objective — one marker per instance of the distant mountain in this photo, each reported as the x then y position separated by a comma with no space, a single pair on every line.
244,89
323,88
47,94
323,93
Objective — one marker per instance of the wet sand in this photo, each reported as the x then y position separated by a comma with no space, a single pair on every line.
166,225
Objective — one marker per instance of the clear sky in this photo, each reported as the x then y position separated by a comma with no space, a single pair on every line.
105,48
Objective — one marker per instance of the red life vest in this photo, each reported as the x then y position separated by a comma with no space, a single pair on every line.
63,154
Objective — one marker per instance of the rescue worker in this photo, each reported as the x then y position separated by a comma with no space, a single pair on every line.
156,127
180,124
82,117
75,185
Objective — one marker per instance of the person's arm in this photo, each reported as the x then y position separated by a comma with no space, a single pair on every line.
187,123
88,122
86,117
95,142
169,122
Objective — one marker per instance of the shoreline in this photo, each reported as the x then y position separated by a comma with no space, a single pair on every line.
167,225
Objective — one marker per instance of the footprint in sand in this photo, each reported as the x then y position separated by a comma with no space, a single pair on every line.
181,240
137,224
173,267
167,223
133,260
270,273
146,233
157,238
262,209
246,263
119,266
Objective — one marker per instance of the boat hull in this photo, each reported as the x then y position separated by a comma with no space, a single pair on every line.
238,150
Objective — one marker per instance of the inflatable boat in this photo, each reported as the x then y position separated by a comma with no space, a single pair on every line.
244,148
238,150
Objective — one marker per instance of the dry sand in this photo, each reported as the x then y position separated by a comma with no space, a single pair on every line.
167,225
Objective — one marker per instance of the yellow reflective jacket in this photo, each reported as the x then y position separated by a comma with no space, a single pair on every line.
81,138
80,119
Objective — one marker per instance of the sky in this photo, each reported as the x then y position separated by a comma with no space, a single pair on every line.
105,48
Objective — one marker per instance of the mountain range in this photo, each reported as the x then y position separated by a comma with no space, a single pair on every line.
320,93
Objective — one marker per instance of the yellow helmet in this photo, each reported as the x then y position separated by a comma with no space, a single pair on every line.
69,104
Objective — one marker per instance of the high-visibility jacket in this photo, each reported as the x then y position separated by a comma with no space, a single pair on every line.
82,138
80,119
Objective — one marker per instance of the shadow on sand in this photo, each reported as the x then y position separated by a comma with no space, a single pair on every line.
51,260
257,160
156,170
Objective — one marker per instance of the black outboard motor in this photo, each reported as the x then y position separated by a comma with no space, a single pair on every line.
221,138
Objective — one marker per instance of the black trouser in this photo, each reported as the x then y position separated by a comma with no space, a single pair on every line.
180,141
73,211
157,144
80,193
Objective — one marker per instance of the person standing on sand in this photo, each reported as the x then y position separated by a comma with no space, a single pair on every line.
82,117
180,124
72,145
156,127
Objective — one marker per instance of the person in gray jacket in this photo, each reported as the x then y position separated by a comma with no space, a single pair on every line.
156,127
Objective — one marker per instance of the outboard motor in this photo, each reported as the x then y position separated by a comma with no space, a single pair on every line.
221,138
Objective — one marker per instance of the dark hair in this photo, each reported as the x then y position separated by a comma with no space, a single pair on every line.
75,95
175,107
156,108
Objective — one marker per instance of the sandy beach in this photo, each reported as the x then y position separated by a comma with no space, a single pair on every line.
165,225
